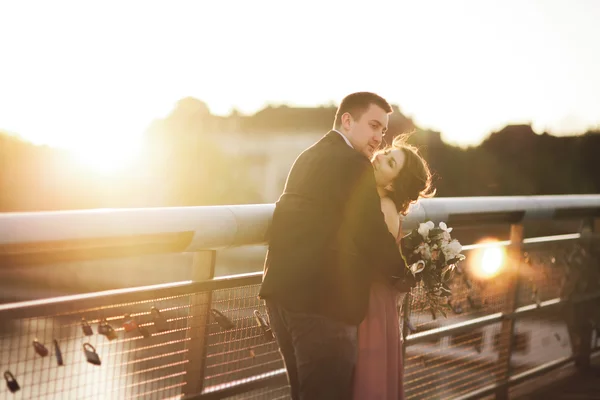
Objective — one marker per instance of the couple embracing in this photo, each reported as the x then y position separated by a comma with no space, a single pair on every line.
334,267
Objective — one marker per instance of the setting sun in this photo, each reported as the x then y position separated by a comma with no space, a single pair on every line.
491,261
489,258
106,158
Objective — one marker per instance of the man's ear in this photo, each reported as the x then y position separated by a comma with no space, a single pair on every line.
347,121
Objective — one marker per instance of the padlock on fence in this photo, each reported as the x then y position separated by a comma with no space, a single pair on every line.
224,322
86,328
11,382
58,353
90,354
105,329
40,348
160,322
456,307
144,332
264,326
129,323
474,302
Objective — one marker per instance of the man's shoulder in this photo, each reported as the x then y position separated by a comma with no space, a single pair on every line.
333,148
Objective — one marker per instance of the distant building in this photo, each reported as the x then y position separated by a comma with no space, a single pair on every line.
266,143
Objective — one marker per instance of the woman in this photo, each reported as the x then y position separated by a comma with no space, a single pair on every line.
402,177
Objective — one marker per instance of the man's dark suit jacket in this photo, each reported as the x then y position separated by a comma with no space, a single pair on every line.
328,236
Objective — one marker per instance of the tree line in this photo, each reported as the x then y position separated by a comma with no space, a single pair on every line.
182,166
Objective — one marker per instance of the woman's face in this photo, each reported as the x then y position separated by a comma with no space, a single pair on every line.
387,164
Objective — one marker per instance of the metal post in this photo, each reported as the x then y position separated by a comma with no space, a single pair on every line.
506,337
203,268
582,313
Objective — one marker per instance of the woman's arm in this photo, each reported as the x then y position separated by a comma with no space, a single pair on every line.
394,224
391,215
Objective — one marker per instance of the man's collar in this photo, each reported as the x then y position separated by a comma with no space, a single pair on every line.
345,138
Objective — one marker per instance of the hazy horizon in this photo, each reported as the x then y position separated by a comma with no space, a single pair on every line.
86,76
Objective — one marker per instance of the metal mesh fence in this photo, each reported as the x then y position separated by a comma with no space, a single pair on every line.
452,365
213,337
142,353
244,350
471,298
130,360
456,365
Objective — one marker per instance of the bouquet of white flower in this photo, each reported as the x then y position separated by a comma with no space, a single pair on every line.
432,256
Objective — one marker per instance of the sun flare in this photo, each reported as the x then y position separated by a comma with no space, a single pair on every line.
106,158
489,259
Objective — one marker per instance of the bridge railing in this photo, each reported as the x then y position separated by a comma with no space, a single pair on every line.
200,338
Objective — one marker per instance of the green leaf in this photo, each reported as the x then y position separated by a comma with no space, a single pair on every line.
434,232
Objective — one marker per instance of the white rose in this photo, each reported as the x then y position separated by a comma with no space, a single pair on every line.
424,229
424,250
444,227
446,237
452,249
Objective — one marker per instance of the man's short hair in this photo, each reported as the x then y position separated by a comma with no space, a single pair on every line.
357,104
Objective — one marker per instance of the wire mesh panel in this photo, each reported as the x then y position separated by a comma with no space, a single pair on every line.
452,365
155,346
472,297
134,358
561,269
147,349
456,365
544,272
539,340
242,349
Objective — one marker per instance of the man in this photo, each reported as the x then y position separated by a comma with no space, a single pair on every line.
327,238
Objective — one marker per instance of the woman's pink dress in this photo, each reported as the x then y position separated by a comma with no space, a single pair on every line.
378,374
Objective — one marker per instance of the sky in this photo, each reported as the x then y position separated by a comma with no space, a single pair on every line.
89,74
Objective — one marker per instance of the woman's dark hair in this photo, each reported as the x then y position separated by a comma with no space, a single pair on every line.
414,181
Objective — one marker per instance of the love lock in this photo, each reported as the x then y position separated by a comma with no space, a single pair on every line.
224,322
144,332
264,326
160,322
11,382
40,348
58,353
105,329
91,355
467,282
129,324
474,303
86,328
456,307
